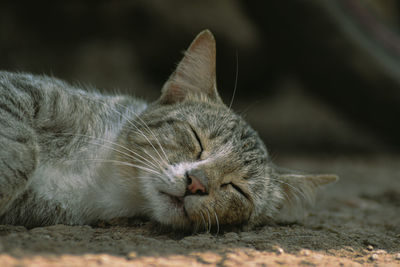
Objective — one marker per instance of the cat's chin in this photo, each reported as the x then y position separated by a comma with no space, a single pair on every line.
175,212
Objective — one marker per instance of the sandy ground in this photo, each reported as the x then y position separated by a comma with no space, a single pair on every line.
354,222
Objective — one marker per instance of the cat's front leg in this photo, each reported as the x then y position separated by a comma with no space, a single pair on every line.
18,158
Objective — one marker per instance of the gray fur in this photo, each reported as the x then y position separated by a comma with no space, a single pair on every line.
74,156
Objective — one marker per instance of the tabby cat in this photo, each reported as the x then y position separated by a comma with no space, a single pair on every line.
75,156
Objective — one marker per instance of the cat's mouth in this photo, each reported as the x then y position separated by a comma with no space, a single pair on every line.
174,200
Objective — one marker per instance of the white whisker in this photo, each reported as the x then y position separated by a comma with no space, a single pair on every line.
204,221
147,139
147,153
158,177
118,162
152,133
217,221
209,221
146,161
128,120
236,79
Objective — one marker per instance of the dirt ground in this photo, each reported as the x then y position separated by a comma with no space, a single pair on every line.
354,222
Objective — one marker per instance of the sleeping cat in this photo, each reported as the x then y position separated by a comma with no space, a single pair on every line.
74,156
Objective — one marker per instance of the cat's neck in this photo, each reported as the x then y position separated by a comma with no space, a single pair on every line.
112,195
114,192
88,181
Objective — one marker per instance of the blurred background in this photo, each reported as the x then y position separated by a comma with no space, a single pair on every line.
315,77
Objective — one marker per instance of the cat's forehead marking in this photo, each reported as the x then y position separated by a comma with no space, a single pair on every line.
180,169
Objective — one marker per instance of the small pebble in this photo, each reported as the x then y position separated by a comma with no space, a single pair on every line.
305,252
397,257
374,257
278,250
370,248
131,255
380,251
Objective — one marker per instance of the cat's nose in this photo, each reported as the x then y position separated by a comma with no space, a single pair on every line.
196,182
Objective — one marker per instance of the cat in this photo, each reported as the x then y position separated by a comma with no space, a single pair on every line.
75,156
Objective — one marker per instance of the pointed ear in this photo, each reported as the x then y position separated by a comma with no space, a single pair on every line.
301,188
195,73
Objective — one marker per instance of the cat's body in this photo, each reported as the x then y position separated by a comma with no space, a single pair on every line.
60,138
74,157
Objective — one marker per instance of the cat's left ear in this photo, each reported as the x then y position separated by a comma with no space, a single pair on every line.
195,73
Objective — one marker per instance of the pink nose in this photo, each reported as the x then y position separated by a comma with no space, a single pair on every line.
195,186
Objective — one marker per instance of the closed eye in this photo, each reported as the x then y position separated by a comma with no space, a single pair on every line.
199,141
237,188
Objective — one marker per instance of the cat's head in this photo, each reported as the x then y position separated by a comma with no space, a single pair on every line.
202,164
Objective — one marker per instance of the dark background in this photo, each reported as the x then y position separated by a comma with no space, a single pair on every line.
314,77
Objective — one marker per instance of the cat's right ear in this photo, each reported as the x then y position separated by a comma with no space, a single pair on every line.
195,73
298,187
